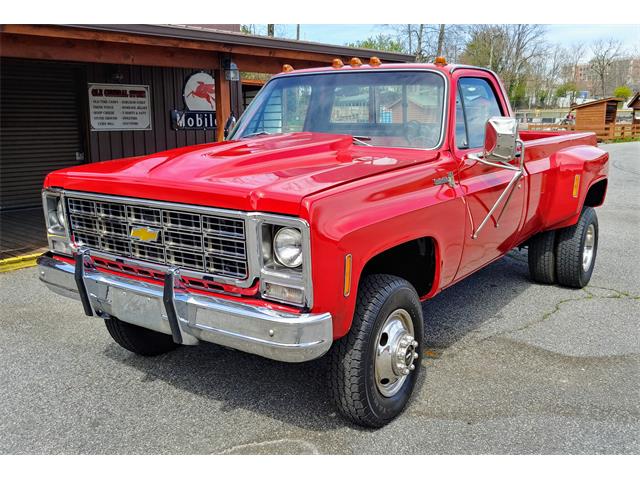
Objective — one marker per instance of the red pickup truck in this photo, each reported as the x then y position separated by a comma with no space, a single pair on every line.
343,198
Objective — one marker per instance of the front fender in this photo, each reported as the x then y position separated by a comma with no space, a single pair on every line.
369,218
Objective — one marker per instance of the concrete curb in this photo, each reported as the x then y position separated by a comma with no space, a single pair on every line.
16,263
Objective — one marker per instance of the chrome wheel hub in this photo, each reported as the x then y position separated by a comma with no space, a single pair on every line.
395,352
589,245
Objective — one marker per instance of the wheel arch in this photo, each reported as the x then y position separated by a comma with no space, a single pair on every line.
596,193
416,261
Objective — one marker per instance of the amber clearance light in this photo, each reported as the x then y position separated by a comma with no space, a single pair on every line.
375,62
286,68
355,62
337,63
441,61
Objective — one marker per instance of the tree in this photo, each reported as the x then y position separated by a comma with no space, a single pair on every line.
426,41
441,32
567,88
271,31
512,51
623,92
605,53
381,42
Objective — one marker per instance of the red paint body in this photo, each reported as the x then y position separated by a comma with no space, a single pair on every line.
364,200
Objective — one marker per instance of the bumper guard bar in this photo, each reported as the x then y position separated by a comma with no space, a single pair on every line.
186,316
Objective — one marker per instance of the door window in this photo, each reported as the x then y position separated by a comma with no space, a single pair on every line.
476,102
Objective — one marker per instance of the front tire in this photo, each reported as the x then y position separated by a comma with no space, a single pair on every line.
374,368
576,250
139,340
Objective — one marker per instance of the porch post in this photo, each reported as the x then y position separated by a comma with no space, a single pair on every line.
223,101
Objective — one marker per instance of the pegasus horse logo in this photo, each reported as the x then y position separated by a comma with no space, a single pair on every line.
205,91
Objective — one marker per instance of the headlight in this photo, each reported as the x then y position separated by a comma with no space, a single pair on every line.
287,246
56,223
60,213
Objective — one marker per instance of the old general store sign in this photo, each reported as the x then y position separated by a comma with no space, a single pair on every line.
114,107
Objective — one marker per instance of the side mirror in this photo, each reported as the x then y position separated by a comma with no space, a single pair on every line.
500,147
230,125
500,139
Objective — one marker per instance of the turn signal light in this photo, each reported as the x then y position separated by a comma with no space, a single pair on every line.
337,63
355,62
440,61
375,62
286,68
348,261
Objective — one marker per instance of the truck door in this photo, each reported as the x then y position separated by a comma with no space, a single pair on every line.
477,99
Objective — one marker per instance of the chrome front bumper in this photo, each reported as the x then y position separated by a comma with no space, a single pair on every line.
188,317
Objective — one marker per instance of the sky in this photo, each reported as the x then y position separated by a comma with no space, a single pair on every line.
565,35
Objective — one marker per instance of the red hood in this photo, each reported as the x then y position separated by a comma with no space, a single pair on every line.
269,174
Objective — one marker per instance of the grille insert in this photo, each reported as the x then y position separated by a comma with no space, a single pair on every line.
203,243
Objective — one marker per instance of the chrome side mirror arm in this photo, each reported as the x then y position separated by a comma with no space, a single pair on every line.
508,191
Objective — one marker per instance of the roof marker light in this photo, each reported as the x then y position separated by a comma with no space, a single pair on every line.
286,68
355,62
441,61
337,63
375,62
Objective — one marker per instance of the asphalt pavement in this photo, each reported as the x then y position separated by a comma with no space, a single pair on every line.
511,367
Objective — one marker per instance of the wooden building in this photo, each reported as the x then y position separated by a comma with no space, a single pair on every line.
71,94
598,116
634,104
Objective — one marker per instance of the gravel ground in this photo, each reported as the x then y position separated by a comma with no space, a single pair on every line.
511,367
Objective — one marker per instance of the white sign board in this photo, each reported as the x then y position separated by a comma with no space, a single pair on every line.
115,107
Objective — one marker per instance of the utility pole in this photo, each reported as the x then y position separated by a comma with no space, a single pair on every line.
271,30
298,31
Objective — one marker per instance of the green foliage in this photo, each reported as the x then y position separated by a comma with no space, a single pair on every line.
566,88
385,43
518,94
623,92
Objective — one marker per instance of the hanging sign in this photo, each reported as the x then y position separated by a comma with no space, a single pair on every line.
199,93
200,102
115,107
183,120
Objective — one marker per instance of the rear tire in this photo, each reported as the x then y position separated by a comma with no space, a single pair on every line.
374,368
139,340
576,250
542,257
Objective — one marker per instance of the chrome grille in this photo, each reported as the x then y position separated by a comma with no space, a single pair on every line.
203,243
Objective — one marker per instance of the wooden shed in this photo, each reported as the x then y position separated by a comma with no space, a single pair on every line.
598,116
634,104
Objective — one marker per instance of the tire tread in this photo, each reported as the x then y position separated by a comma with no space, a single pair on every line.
347,385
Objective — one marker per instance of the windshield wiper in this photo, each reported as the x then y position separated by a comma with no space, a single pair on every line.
256,134
360,140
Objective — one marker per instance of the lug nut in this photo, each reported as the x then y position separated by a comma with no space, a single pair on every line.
415,355
412,367
414,344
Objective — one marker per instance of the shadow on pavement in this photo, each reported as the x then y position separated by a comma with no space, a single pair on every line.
297,393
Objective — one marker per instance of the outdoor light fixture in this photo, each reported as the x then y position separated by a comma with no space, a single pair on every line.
231,71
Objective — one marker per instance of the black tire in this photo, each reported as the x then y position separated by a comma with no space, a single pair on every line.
569,250
139,340
352,367
542,257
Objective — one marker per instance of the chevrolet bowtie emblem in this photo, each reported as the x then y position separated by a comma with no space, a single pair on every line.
144,234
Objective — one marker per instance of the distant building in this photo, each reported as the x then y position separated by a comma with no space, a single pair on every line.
625,71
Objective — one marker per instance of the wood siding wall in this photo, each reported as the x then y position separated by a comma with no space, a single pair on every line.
166,94
590,117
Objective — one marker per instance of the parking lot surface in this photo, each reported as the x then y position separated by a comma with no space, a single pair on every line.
511,367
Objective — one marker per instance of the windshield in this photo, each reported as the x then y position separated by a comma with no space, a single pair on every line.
382,108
